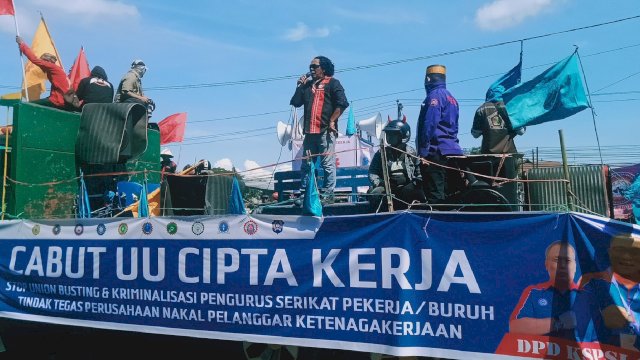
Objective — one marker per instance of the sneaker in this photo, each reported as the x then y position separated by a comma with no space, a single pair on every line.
327,199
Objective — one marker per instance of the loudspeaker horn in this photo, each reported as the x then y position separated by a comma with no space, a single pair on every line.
284,132
372,125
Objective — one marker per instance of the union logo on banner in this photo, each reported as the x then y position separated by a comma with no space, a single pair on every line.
223,227
197,228
123,228
101,229
277,226
172,228
147,228
250,227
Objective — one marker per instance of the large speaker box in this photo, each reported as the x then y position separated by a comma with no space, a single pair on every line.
111,133
490,165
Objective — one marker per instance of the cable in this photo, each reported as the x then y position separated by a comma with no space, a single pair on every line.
618,81
220,140
360,110
392,62
231,133
238,117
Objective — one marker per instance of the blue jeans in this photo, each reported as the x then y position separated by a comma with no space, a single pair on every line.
323,143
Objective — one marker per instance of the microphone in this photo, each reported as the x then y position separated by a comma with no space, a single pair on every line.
308,78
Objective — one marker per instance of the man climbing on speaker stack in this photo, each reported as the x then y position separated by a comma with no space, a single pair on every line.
55,74
130,88
324,101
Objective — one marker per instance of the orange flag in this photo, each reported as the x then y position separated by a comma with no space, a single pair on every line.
79,70
172,128
34,77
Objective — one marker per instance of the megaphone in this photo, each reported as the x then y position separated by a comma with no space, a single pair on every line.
372,125
284,132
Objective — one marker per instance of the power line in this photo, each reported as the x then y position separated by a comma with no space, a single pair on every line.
228,139
239,116
392,62
231,133
618,81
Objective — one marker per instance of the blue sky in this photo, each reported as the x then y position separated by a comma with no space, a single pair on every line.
212,43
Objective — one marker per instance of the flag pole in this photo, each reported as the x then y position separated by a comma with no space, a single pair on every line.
521,56
180,146
55,49
24,73
593,111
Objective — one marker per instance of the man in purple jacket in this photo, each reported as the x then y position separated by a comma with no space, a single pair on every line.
437,133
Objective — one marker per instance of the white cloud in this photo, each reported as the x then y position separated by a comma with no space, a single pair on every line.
225,163
90,8
502,14
261,178
302,31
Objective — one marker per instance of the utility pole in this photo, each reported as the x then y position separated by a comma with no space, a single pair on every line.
565,168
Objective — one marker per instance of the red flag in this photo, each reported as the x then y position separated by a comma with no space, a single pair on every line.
172,128
6,7
79,70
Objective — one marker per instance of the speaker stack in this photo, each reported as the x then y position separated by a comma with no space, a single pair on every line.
111,133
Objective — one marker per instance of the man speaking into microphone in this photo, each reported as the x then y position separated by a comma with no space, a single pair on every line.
324,101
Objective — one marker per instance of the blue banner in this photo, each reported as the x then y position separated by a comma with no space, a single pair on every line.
408,284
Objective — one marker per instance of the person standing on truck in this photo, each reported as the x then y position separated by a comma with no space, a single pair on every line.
491,121
437,136
324,101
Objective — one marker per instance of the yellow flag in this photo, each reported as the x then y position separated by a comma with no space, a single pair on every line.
34,77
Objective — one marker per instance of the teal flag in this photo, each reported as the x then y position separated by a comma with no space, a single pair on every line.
351,123
505,82
84,208
236,203
311,204
633,194
143,205
555,94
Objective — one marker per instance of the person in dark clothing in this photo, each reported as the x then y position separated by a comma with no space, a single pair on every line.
437,136
403,169
492,123
324,101
95,88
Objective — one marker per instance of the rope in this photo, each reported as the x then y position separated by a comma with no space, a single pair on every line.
498,180
593,111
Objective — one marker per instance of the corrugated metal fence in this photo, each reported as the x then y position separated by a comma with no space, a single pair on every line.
591,185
